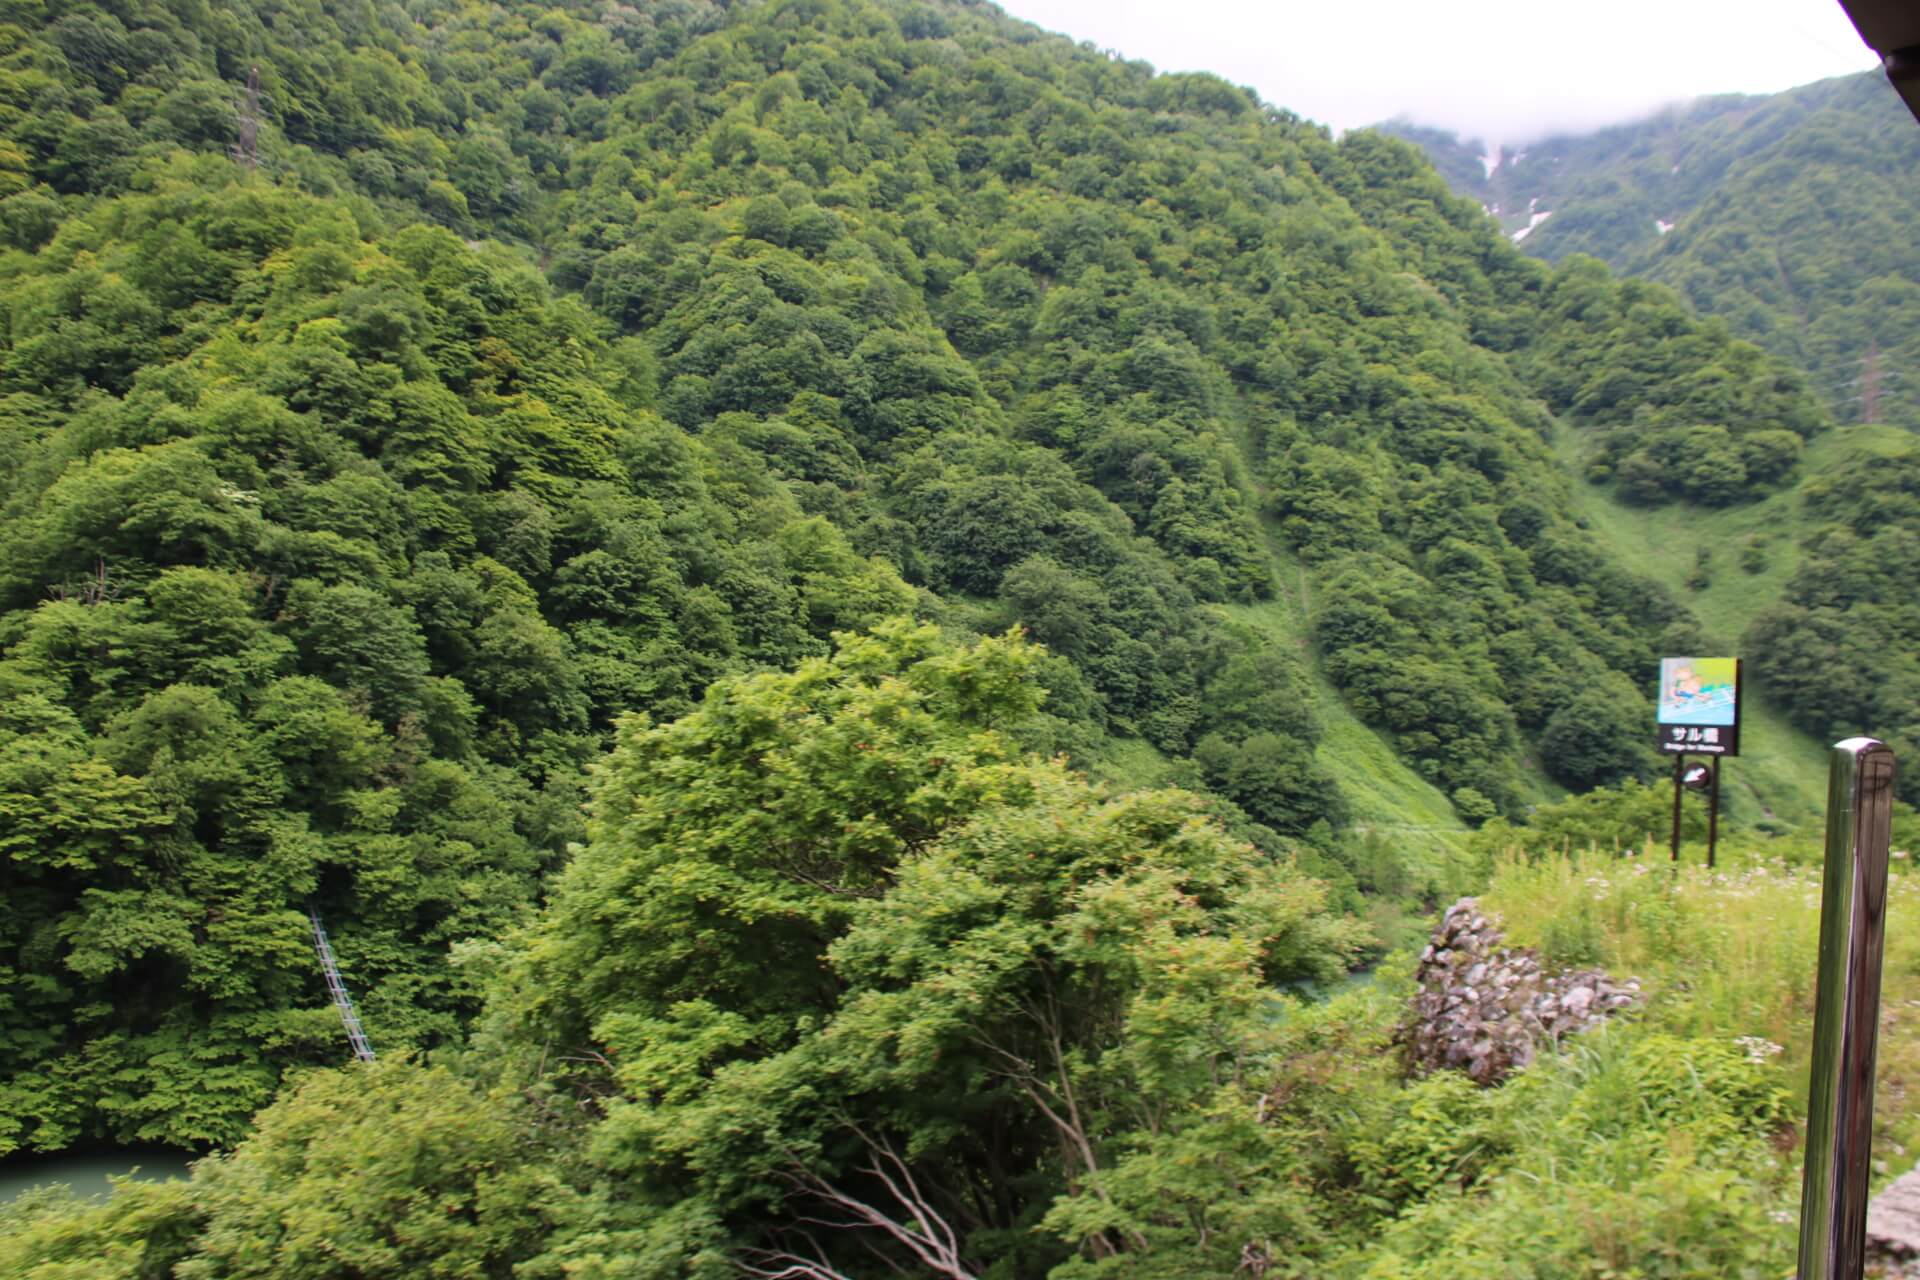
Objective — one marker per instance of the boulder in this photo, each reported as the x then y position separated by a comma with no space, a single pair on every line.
1893,1227
1484,1009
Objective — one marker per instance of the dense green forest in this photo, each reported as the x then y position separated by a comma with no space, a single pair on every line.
1793,216
725,550
1843,641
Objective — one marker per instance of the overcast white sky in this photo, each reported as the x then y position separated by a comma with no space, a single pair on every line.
1506,72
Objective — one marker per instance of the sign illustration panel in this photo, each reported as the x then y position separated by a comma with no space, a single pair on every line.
1699,706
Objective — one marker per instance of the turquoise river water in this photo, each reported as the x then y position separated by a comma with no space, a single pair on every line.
87,1173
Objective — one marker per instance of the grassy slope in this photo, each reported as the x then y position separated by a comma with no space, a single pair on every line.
1781,770
1383,791
1726,956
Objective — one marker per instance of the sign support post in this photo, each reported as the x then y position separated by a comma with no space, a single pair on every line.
1713,813
1679,768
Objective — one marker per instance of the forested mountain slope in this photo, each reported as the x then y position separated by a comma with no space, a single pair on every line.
370,447
1794,216
678,530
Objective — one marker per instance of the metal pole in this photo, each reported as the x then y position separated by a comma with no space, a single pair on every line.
1679,767
1713,812
1853,901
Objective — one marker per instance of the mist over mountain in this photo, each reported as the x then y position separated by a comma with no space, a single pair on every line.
1793,216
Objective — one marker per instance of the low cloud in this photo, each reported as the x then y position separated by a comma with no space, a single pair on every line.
1505,73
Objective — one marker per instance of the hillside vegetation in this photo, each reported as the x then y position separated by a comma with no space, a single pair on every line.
829,599
1732,565
1793,217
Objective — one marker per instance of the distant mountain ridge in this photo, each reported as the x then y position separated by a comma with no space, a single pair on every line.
1794,216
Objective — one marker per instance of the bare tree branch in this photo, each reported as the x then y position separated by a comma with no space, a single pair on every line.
1052,1098
773,1264
912,1222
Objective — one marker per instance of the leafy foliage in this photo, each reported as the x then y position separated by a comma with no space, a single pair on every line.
674,399
1660,1141
342,586
1026,998
1838,650
336,538
386,1170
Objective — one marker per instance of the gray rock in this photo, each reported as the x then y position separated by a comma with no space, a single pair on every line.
1893,1218
1483,1008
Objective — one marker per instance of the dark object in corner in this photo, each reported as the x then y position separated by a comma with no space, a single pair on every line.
1891,29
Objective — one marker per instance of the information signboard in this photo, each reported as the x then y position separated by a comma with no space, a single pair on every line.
1699,706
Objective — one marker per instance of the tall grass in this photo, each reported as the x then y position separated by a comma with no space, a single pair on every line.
1630,1155
1727,955
1664,1144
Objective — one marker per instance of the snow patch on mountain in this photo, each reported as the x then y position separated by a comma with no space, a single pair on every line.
1533,220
